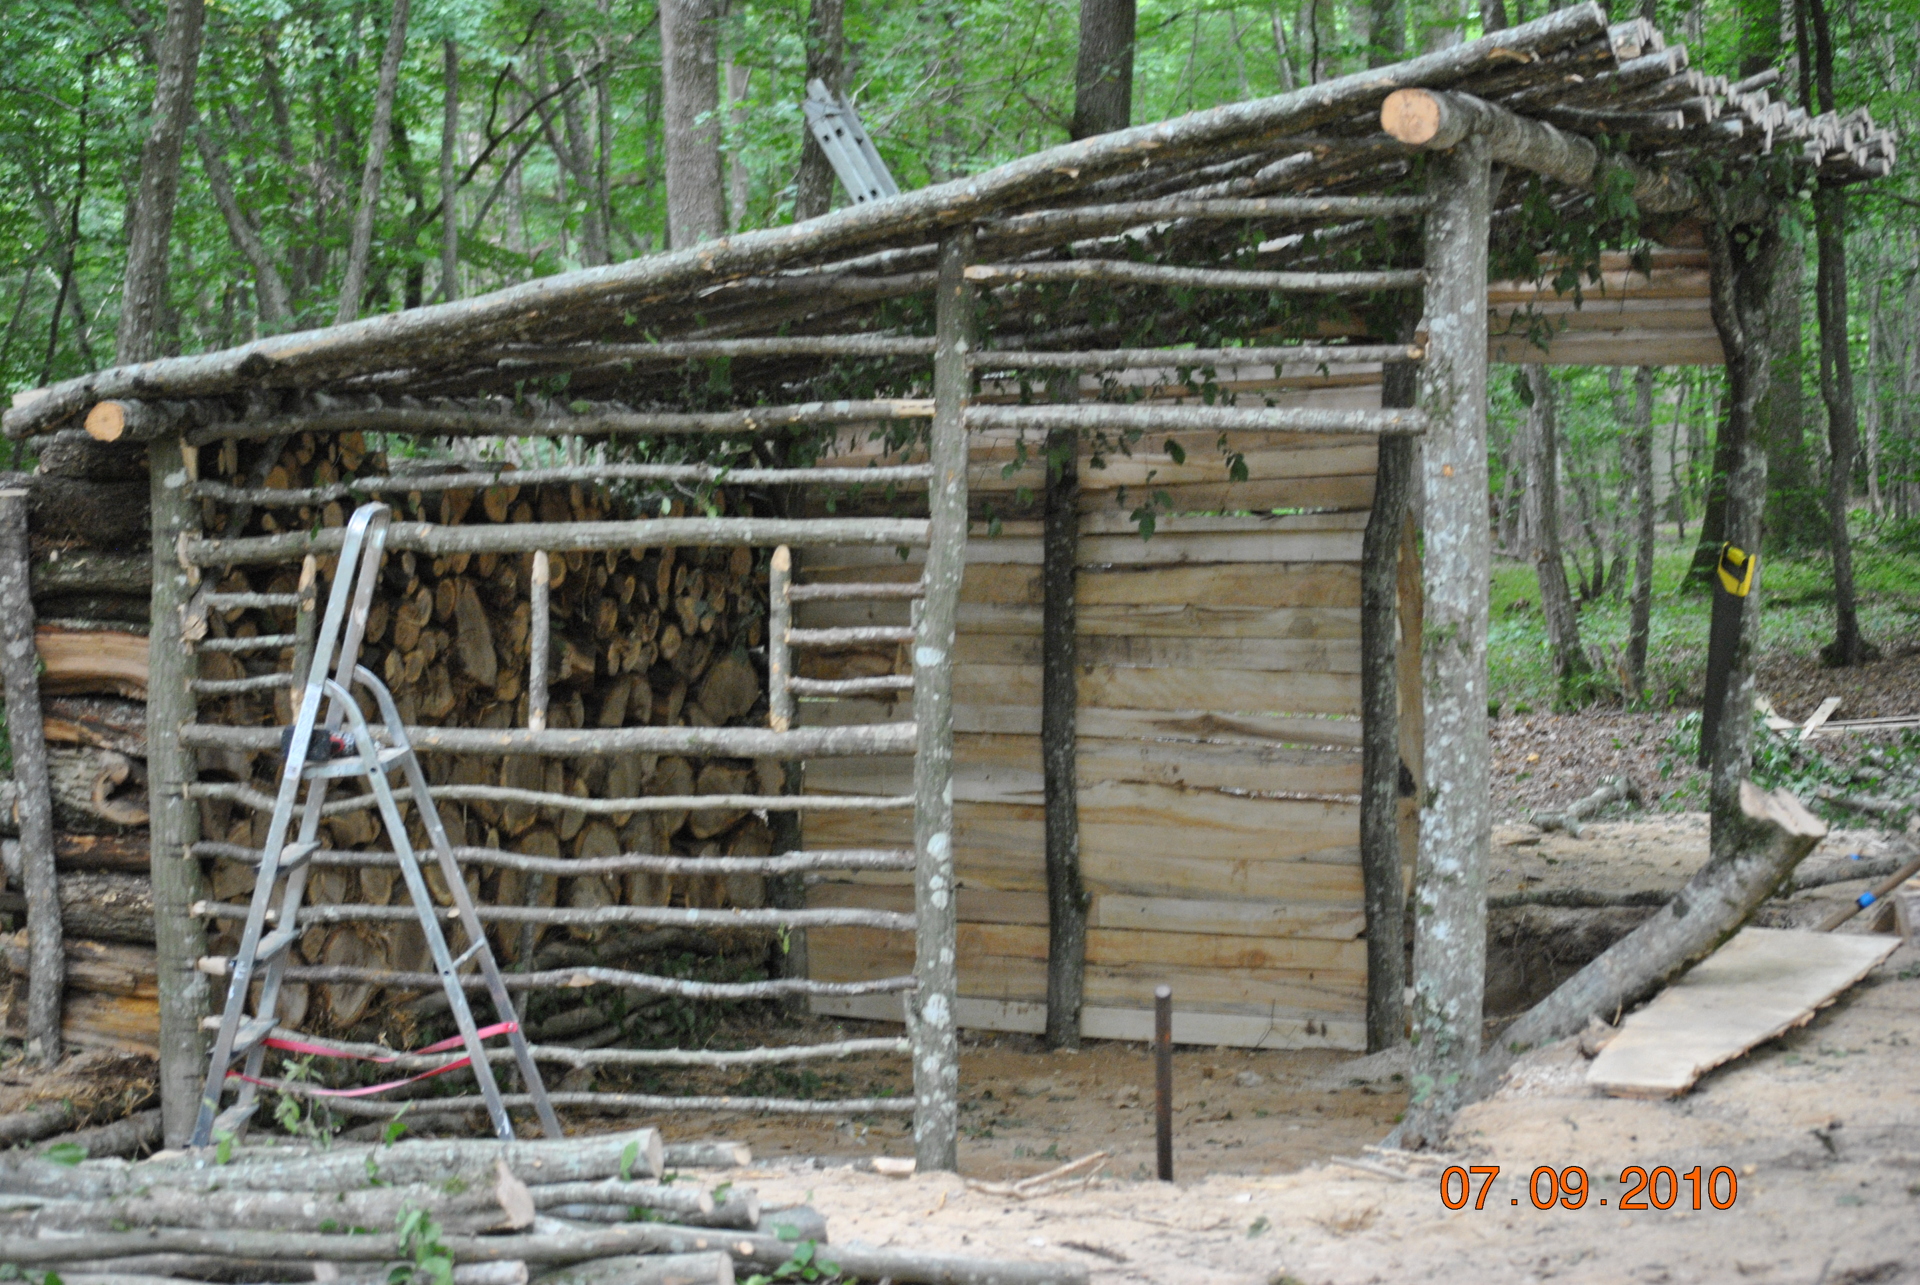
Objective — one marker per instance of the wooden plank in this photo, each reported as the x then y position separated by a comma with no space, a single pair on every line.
1256,495
1761,983
1273,585
1233,691
1616,348
1234,1030
889,890
1195,620
1129,651
1172,725
91,661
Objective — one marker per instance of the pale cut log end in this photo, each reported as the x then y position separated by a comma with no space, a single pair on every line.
1781,809
107,421
1411,115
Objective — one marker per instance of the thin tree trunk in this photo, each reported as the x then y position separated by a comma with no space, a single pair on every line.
1380,765
736,78
1059,706
690,63
1570,665
1450,890
594,238
353,283
269,287
1640,610
1387,33
826,62
150,221
1103,68
19,672
449,163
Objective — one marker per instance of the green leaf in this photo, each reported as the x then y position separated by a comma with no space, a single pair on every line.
628,1154
65,1153
1176,452
223,1147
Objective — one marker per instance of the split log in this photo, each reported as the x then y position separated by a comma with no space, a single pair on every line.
1616,790
103,661
713,1268
102,722
1775,833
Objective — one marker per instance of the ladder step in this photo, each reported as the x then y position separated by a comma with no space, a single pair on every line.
234,1118
275,944
252,1032
295,855
469,952
352,766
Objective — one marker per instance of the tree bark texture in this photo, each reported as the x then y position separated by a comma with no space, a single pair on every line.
1450,889
46,978
174,819
1639,443
1768,836
150,220
1103,68
1741,289
353,281
1795,514
690,63
936,1047
826,62
1543,516
1380,765
449,164
1059,735
1849,647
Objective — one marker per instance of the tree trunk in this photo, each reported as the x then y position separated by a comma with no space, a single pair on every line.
1380,768
826,62
354,281
1543,516
1103,70
1795,517
690,64
1059,706
449,163
18,664
269,287
150,220
1640,609
1450,890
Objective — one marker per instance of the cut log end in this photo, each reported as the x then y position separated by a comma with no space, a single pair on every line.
1780,809
1411,115
107,421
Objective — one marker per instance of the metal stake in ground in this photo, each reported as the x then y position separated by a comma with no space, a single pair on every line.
1163,1078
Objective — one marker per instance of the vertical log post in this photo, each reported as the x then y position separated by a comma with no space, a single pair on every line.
1059,710
1163,1080
19,667
1450,932
306,627
936,1044
1380,854
174,819
539,634
779,654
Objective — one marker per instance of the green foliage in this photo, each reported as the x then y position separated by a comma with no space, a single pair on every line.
65,1153
420,1241
804,1264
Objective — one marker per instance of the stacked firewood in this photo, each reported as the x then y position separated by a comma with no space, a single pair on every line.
662,637
617,1207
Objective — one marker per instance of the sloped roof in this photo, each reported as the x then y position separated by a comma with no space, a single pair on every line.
1569,69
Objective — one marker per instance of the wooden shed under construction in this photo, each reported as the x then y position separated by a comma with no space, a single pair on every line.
800,583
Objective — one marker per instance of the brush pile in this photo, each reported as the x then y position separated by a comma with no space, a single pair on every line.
575,1211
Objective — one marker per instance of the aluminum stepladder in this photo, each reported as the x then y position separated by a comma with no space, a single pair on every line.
264,953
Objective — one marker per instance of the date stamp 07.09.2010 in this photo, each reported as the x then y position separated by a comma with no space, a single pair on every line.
1569,1188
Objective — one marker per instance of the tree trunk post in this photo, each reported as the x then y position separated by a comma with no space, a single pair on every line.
19,667
1380,766
690,112
1450,923
1103,68
1843,429
1543,512
180,938
150,220
826,43
1640,609
449,164
936,1044
1059,722
354,280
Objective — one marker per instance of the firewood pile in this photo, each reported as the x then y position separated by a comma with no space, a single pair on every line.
620,1207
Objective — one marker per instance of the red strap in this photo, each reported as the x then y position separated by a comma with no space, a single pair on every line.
321,1050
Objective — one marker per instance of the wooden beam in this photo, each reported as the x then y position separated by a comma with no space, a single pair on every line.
1089,220
1450,889
1127,272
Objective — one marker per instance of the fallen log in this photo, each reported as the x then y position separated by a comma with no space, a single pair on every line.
468,1208
707,1155
656,1269
1774,833
681,1200
1617,790
41,1120
128,1136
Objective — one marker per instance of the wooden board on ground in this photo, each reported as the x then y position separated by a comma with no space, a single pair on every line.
1761,983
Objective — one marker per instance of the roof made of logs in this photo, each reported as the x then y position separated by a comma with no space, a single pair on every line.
1569,97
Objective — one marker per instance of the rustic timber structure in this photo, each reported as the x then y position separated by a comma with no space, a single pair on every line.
1215,298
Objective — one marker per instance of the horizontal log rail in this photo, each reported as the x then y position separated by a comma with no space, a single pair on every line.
234,686
560,537
1151,418
1127,272
850,636
360,488
625,863
499,420
583,916
1090,219
850,686
576,979
573,742
854,592
610,1102
1194,358
774,1055
696,349
247,601
260,801
261,642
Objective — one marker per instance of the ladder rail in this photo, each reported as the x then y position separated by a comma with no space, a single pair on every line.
470,924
